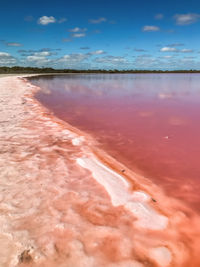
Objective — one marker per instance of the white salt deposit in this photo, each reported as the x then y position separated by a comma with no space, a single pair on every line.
114,184
52,208
77,141
140,196
147,216
118,189
161,255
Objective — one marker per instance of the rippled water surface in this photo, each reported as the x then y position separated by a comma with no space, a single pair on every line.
149,122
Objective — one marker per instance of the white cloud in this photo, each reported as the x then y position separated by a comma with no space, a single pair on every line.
144,61
159,16
37,58
174,49
43,53
185,19
168,49
46,20
144,56
4,54
77,29
73,58
75,61
114,60
97,52
167,57
78,35
97,21
148,28
30,52
61,20
6,59
13,44
186,60
186,51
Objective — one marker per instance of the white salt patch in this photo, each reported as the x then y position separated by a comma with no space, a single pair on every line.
45,119
50,123
46,149
140,196
147,216
77,141
66,132
161,255
60,226
114,184
118,190
24,154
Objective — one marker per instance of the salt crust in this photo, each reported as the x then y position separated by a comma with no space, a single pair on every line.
117,188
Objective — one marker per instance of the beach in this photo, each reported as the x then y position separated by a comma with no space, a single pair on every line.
65,202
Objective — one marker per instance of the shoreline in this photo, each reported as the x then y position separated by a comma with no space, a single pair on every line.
144,203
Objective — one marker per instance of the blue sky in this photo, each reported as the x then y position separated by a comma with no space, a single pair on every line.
82,34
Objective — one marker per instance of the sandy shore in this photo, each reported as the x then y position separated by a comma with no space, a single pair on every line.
65,203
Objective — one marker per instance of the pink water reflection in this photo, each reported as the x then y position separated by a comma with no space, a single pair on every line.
150,122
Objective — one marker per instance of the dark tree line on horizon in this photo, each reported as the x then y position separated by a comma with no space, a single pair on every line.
21,70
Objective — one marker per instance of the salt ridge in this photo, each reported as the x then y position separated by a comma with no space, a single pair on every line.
117,188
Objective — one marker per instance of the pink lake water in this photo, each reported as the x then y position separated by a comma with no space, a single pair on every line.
149,122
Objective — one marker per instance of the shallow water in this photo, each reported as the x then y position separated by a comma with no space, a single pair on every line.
64,202
149,122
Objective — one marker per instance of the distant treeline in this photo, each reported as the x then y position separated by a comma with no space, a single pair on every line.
18,70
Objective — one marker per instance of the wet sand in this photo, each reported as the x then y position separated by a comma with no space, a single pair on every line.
64,202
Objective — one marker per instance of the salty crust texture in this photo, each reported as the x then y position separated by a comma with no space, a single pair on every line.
63,202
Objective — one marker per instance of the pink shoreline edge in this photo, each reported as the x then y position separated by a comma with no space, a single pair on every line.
149,216
138,202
